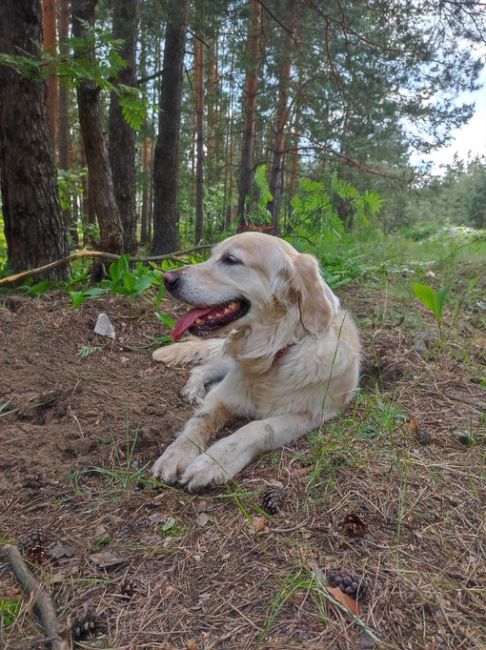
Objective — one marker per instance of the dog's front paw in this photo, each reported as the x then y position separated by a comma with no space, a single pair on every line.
194,392
203,472
181,453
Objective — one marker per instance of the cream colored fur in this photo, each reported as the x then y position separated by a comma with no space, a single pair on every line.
289,364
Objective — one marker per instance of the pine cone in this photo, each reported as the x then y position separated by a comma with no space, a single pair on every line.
84,626
353,526
348,582
272,500
128,588
34,546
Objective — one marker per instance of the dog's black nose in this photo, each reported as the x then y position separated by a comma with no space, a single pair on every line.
171,279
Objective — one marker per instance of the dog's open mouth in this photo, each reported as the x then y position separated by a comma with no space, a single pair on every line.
203,321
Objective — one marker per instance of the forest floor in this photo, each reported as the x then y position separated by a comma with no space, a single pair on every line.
155,567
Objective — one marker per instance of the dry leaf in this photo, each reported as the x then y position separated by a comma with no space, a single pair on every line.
259,524
344,599
414,426
105,559
191,644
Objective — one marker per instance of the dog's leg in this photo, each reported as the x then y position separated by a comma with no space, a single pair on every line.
228,456
213,371
192,440
191,351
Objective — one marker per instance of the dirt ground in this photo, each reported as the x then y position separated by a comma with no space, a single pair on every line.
150,566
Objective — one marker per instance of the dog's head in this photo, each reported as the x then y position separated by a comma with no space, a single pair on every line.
257,281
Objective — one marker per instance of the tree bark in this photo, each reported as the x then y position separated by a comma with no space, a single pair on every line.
63,138
284,50
50,46
249,109
121,135
199,91
34,227
166,161
100,180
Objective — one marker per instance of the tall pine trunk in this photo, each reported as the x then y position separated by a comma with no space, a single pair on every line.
121,135
50,46
166,161
100,181
249,109
34,227
199,92
63,138
284,49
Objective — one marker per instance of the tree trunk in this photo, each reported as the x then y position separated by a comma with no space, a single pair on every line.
249,109
199,91
145,194
50,46
166,162
63,136
34,227
121,135
284,50
100,180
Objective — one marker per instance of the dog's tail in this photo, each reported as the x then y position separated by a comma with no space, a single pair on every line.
192,351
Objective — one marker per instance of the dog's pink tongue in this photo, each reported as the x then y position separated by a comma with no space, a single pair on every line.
185,322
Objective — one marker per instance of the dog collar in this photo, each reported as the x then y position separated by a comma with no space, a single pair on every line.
283,351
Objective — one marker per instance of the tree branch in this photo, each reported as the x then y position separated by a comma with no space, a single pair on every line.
101,254
42,599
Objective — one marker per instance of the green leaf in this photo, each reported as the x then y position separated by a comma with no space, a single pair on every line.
170,523
77,298
429,297
38,289
167,320
142,284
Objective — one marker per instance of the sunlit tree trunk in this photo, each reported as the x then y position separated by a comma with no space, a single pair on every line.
63,138
249,109
34,227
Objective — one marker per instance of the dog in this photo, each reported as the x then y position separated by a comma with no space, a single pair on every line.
289,362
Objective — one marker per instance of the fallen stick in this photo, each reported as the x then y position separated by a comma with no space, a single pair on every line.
41,598
108,256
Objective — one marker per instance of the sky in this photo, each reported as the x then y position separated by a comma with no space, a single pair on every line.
470,138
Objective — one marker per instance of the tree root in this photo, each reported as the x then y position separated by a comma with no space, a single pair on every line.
101,254
41,598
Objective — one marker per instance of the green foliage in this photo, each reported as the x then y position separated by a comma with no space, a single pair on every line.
9,611
432,299
102,69
69,182
259,214
85,351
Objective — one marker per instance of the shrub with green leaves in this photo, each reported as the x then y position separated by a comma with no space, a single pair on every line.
433,300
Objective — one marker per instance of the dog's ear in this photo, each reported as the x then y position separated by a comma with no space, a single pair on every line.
314,296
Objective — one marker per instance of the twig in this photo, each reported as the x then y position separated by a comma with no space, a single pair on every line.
42,599
318,576
109,256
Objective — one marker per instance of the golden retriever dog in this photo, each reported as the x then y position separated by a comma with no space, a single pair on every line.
289,362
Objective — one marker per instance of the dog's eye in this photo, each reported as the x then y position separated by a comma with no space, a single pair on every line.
230,259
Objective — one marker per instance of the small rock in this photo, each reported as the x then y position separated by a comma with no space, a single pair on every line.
104,326
202,519
124,360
